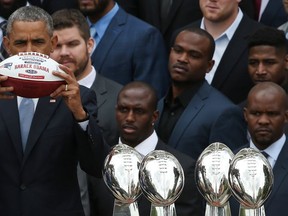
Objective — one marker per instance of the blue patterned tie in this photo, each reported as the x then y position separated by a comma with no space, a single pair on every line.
94,34
26,112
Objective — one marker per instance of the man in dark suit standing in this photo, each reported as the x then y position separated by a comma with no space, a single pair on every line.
39,176
266,113
73,50
194,114
136,114
127,48
230,29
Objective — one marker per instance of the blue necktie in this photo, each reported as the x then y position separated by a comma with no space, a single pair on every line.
94,34
26,112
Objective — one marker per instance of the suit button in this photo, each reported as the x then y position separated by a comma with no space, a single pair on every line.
23,187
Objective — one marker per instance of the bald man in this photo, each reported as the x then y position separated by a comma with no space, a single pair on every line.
266,113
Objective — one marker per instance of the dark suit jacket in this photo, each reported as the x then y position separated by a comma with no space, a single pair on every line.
232,77
274,14
189,203
43,179
182,13
276,204
209,117
106,92
54,5
131,50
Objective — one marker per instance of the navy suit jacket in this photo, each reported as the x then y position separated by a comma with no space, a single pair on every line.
209,117
131,49
43,179
189,203
106,92
276,204
232,77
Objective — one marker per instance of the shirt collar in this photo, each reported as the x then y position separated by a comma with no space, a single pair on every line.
148,145
229,32
89,79
274,149
102,24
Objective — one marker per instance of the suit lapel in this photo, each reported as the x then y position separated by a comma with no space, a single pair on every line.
108,39
99,86
43,114
280,171
271,10
172,13
234,50
189,114
8,109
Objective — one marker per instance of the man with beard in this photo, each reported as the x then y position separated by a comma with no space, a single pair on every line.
73,50
266,113
126,48
193,113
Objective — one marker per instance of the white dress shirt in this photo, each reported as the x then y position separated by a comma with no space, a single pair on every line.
146,146
221,44
273,150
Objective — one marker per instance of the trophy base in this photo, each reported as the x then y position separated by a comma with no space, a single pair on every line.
163,211
218,211
252,212
124,209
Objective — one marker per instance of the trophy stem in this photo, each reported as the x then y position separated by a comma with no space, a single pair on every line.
252,212
163,211
218,211
125,209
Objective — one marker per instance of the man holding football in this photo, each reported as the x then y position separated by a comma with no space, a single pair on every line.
40,177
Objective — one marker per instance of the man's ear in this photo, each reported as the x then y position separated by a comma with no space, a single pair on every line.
90,45
6,44
155,116
54,40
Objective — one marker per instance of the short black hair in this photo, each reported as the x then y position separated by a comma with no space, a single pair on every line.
142,85
198,31
268,36
68,18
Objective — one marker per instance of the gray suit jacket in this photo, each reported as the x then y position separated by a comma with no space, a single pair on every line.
106,92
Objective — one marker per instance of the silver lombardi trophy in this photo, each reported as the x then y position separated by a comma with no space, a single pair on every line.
211,175
162,181
251,181
121,175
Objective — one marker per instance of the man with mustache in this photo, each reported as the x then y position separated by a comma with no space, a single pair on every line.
266,113
73,50
194,114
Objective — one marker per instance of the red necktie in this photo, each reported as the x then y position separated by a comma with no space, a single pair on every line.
257,8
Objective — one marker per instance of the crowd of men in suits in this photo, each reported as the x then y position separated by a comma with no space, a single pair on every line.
153,74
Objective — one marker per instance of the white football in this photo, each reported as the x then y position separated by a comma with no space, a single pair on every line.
30,73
